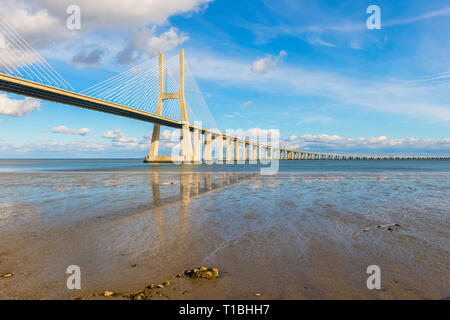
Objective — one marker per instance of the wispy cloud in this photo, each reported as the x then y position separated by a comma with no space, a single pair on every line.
268,62
246,104
383,94
428,15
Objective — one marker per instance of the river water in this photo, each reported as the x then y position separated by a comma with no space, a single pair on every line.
308,232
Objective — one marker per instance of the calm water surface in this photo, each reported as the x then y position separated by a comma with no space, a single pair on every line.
307,232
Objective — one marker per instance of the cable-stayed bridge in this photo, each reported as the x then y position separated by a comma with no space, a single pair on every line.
159,92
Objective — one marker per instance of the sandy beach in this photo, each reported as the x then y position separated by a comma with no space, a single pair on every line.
288,236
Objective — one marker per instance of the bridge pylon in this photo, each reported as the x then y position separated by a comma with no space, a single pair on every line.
186,149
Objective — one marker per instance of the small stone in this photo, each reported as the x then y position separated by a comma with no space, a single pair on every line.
390,228
108,293
397,225
179,275
160,286
167,283
185,292
139,297
203,273
7,275
257,294
133,265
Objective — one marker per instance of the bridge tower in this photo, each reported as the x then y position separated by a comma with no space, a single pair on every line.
186,150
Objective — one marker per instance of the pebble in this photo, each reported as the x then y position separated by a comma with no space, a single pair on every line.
203,273
160,286
257,294
390,228
108,293
7,275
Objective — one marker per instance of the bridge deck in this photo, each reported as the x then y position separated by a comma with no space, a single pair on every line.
41,91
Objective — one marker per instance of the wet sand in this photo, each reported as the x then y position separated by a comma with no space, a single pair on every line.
289,236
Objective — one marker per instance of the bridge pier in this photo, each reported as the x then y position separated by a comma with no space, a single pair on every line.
228,149
207,156
251,152
219,140
244,152
236,150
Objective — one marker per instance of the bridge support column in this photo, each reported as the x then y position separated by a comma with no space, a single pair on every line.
259,152
186,151
219,149
228,149
251,152
244,152
207,156
196,146
236,150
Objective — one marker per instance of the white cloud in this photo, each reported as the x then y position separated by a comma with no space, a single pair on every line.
33,20
66,130
146,41
129,13
113,134
168,139
44,21
17,108
166,41
264,64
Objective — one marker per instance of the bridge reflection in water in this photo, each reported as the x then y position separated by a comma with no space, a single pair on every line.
190,185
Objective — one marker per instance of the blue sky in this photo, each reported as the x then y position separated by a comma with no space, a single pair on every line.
310,69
